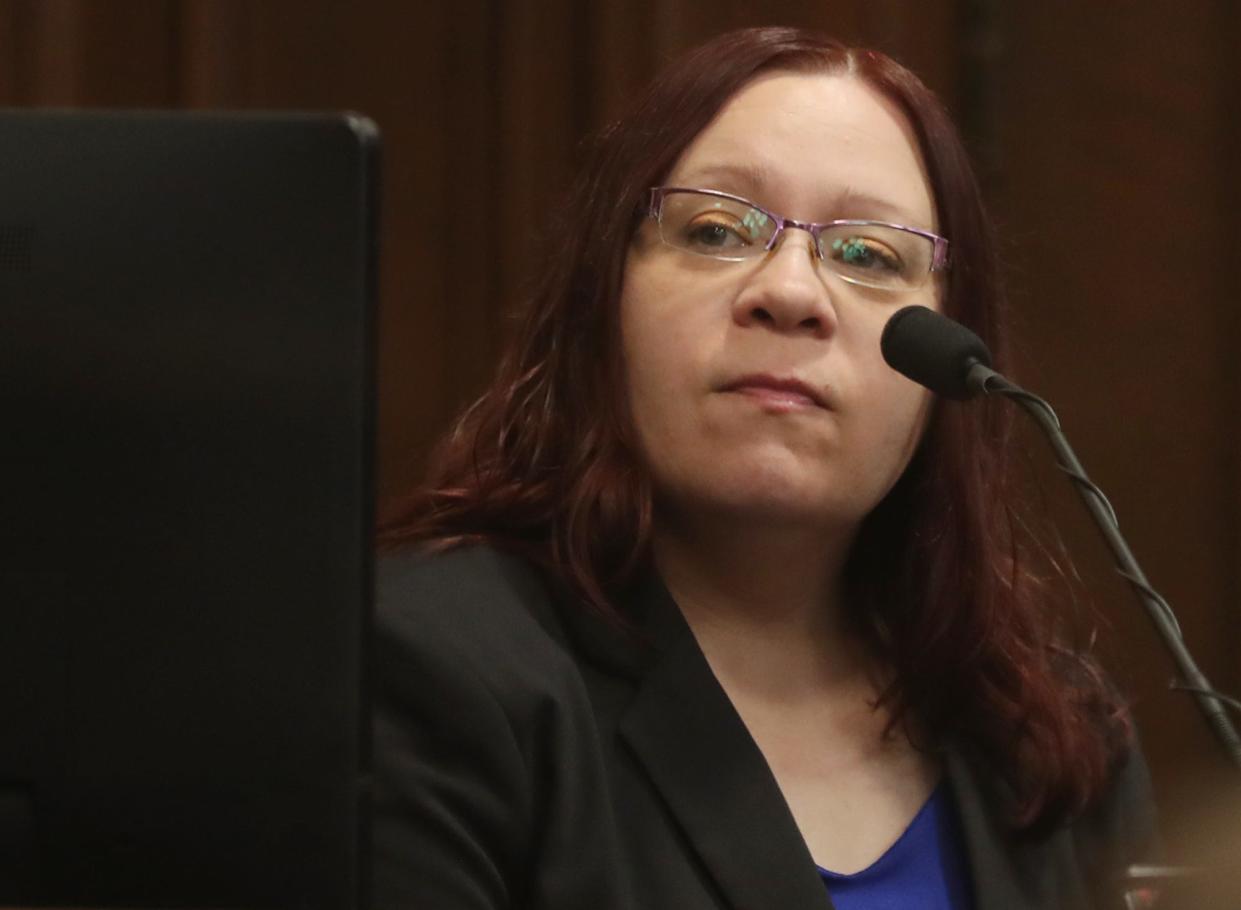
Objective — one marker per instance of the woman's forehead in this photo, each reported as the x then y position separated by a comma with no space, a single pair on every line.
812,141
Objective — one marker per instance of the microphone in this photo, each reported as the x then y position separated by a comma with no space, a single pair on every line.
950,360
936,352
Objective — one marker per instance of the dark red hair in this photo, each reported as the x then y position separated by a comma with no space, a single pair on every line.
546,462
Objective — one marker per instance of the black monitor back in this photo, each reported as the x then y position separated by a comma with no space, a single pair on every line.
185,457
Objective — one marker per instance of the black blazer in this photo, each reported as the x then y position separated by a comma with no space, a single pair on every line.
528,756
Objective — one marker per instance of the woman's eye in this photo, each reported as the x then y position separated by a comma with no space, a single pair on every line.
716,234
865,253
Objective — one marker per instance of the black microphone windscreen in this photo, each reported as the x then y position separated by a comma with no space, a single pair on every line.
932,350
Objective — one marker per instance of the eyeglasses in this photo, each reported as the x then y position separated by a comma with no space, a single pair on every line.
875,254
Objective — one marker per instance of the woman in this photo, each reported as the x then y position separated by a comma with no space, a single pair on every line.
711,608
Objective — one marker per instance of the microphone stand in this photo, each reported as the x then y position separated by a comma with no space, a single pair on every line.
982,379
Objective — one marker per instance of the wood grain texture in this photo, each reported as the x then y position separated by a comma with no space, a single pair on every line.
11,68
1112,181
213,47
77,52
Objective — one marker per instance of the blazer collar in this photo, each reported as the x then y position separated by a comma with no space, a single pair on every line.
683,729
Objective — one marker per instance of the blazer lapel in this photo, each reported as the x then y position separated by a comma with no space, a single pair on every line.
684,730
1007,872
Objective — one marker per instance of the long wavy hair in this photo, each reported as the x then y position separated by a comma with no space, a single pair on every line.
940,576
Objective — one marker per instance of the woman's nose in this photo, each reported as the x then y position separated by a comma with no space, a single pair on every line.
787,292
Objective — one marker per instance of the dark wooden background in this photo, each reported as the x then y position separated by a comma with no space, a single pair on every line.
1108,136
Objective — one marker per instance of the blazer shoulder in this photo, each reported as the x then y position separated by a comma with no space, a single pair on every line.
489,777
489,610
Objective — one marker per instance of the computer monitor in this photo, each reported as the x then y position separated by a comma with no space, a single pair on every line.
186,379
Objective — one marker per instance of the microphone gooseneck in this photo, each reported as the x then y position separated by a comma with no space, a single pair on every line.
952,361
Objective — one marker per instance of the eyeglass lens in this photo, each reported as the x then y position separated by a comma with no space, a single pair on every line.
875,255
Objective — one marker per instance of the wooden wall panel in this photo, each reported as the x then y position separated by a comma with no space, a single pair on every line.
1110,204
213,47
1228,67
631,40
50,53
77,52
126,60
541,63
625,37
11,70
471,200
685,24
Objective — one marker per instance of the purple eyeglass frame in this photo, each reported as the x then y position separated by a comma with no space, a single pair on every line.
939,258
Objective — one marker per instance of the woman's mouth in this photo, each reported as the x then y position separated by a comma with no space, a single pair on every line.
777,393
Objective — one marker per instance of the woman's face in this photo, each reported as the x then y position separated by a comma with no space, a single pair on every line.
757,387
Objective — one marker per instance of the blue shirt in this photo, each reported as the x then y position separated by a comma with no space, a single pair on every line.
925,869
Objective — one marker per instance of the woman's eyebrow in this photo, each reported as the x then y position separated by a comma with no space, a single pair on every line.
858,200
752,176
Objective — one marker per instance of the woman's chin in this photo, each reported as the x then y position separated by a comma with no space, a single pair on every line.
768,498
